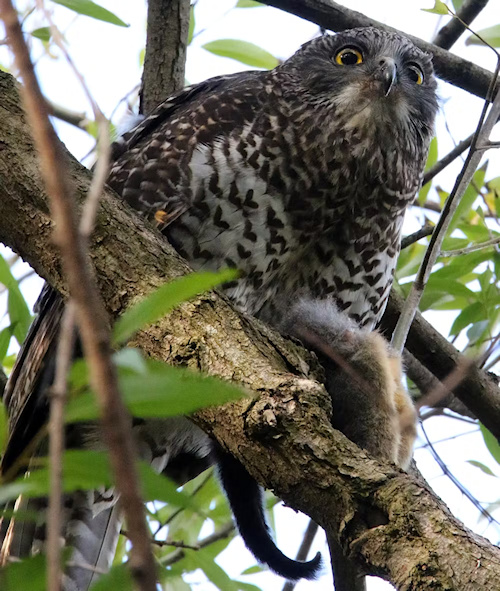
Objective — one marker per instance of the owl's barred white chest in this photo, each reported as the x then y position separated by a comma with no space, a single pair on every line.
291,234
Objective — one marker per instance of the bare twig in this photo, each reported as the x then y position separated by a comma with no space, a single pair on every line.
425,230
427,382
103,142
73,118
472,248
448,159
220,534
167,542
455,481
444,388
56,447
472,161
451,32
90,311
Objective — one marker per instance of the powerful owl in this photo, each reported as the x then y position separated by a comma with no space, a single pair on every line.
300,178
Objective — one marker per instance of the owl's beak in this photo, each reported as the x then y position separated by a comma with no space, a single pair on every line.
387,74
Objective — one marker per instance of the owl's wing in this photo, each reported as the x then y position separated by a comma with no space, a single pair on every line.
151,169
25,395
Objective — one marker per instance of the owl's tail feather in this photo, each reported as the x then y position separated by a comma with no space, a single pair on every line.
92,538
245,498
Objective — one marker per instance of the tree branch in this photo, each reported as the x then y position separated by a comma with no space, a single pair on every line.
329,15
284,438
451,32
168,25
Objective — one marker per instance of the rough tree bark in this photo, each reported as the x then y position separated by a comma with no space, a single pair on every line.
284,437
167,33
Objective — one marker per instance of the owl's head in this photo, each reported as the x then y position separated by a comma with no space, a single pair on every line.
371,76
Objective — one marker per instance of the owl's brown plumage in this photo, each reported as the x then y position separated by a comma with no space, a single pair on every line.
300,178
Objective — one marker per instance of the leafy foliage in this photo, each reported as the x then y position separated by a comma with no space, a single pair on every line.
19,314
89,8
244,52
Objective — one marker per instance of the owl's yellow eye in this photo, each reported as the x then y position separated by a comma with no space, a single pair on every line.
349,56
415,74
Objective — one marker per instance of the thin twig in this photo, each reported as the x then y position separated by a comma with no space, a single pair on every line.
58,394
455,481
78,120
220,534
445,387
167,542
448,159
103,142
91,316
426,230
472,248
65,348
472,161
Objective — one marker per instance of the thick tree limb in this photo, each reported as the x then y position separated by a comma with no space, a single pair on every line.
168,24
329,15
284,438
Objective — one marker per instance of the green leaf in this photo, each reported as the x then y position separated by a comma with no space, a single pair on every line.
161,301
192,24
160,391
5,336
478,331
491,442
244,52
20,317
460,266
247,586
252,570
248,4
89,8
409,260
43,33
28,575
439,8
482,467
87,470
118,578
468,198
491,35
431,160
214,573
19,313
457,4
473,313
476,232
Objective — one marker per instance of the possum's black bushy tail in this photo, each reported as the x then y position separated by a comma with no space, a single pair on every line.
245,497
